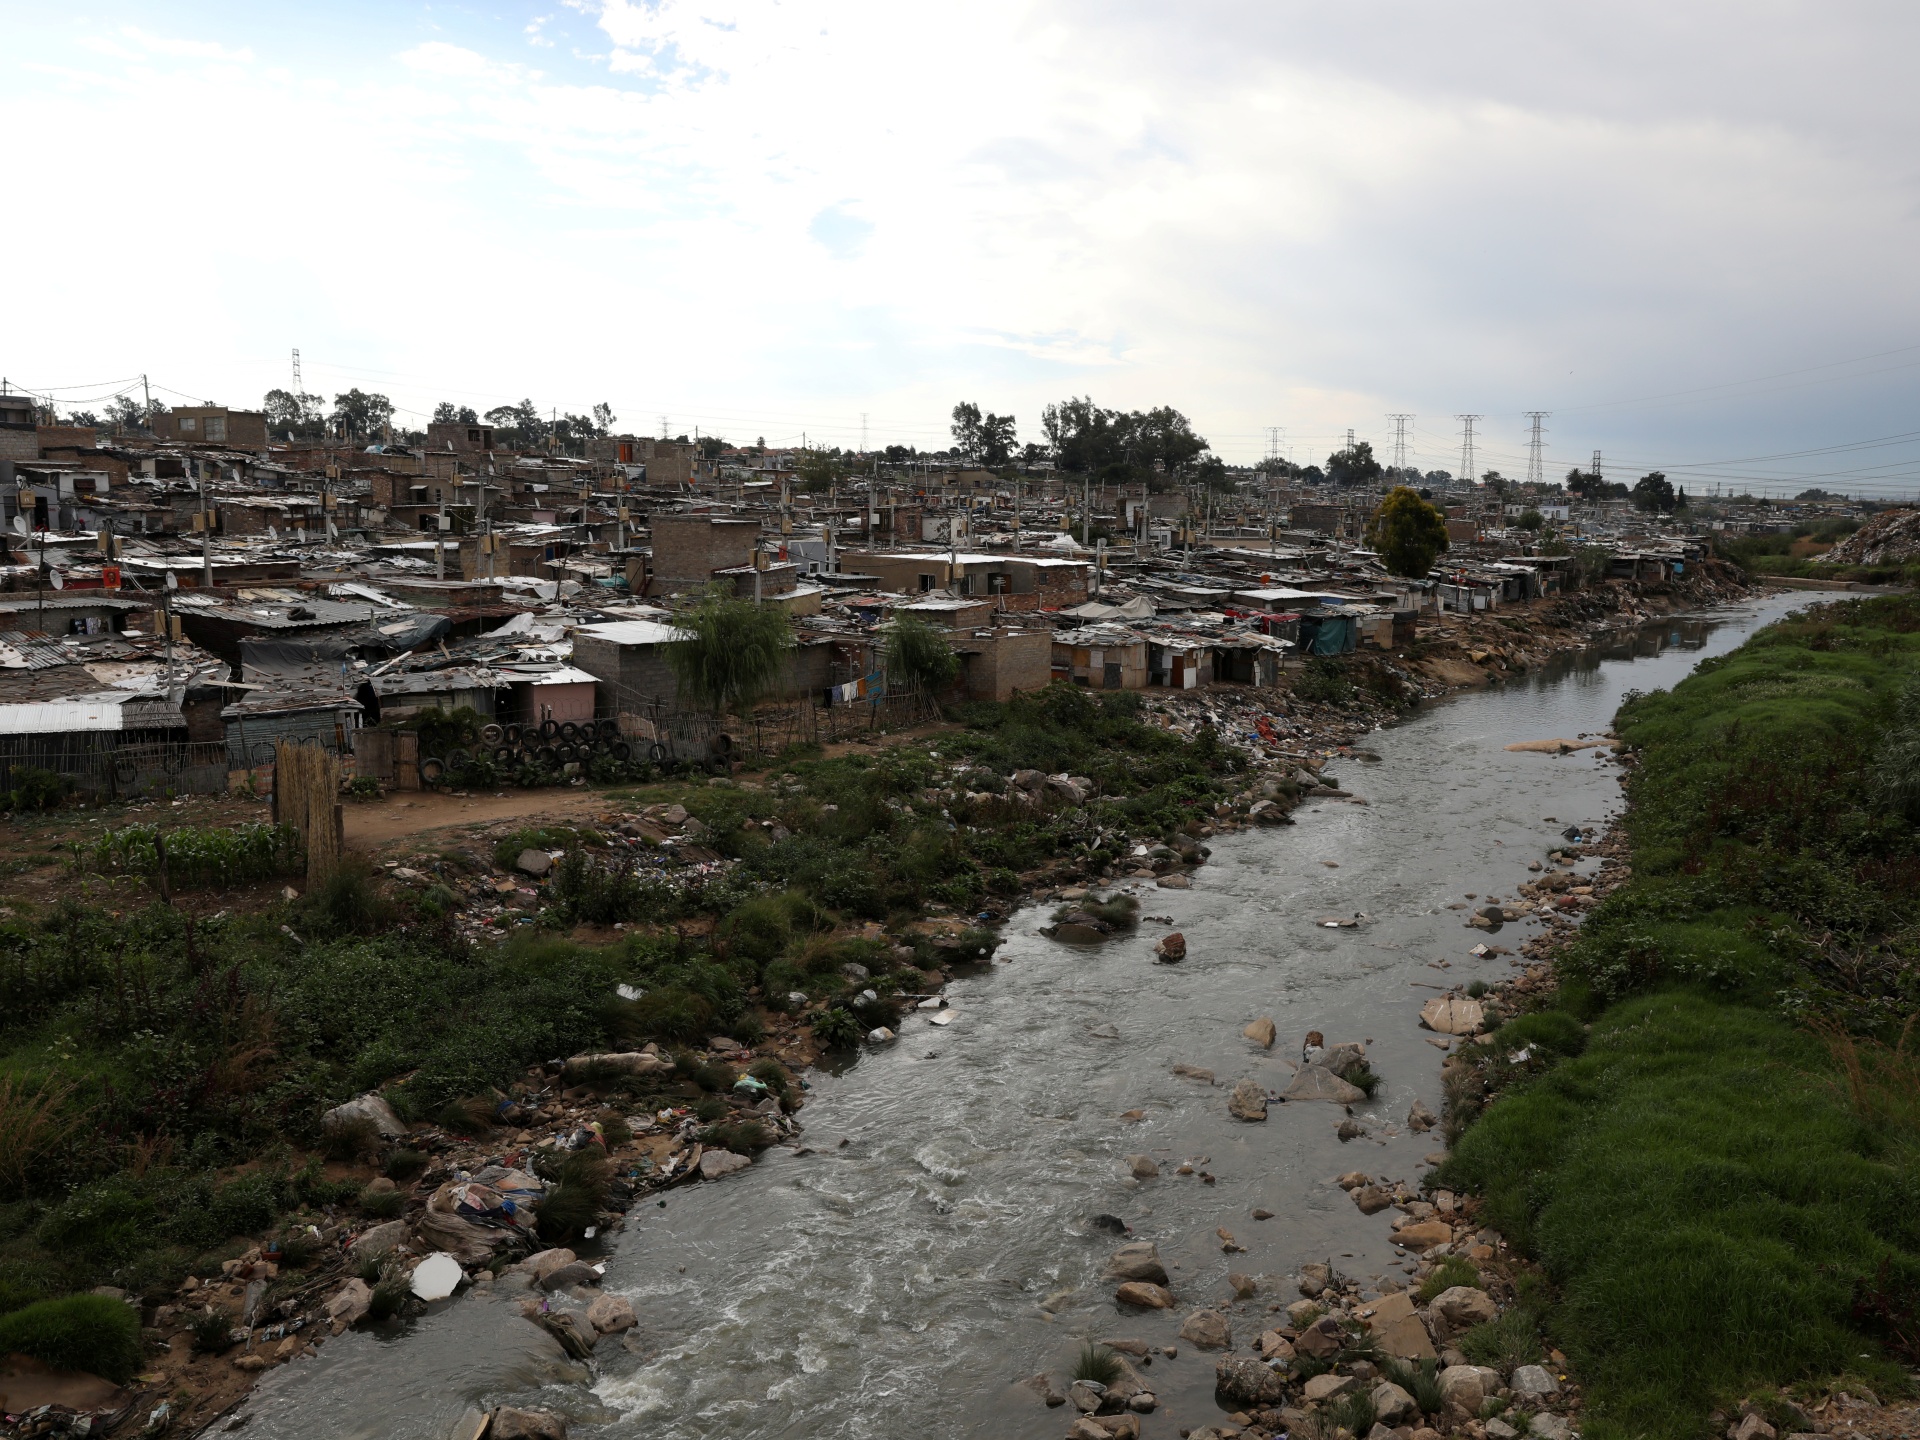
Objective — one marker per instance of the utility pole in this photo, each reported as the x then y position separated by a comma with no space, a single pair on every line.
147,414
1536,465
1400,423
206,532
1466,446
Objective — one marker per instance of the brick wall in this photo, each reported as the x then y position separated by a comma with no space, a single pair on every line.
687,549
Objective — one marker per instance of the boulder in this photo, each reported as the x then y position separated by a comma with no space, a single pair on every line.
543,1263
625,1062
610,1314
1261,1032
1208,1329
1322,1340
1392,1405
1086,1396
1501,1430
1322,1388
1141,1167
1453,1015
1144,1294
1423,1235
379,1240
1751,1427
1042,1385
1138,1261
1302,1313
370,1108
1273,1346
1315,1277
1242,1381
1249,1101
1461,1308
1174,882
1534,1382
1558,1427
349,1304
1371,1199
533,862
510,1423
1172,948
716,1163
1317,1082
577,1273
1193,1072
1398,1329
1420,1119
1244,1287
576,1337
1469,1386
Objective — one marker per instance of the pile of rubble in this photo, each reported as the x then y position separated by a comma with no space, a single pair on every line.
1890,538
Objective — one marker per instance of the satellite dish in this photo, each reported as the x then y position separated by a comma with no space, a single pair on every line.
53,577
173,581
333,532
272,534
20,524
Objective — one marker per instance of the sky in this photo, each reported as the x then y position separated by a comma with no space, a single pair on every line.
1687,232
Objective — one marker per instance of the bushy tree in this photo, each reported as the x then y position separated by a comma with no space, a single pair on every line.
296,415
447,413
1407,533
733,653
920,653
1354,465
360,414
1654,494
1158,445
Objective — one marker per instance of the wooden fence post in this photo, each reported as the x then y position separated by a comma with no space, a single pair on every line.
306,795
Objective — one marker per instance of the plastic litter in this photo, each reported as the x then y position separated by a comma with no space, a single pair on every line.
437,1276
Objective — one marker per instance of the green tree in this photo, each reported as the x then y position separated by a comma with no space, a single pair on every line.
1407,533
361,415
1654,494
517,427
966,429
1354,465
447,413
295,415
919,652
1531,519
733,653
604,417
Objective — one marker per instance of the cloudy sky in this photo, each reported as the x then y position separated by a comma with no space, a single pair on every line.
1688,231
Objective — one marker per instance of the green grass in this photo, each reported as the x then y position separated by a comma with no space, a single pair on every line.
1096,1363
1451,1272
94,1333
1719,1204
216,855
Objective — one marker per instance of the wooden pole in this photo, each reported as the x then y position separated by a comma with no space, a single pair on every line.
306,795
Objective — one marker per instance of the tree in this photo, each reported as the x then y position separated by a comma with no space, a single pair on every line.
82,419
820,471
1531,519
447,413
1407,533
123,414
604,417
996,440
966,428
733,653
1158,446
919,652
517,427
295,415
1354,465
1653,493
361,415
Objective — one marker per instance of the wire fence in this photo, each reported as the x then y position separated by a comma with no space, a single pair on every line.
98,766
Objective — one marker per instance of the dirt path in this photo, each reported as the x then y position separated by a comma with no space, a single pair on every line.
399,815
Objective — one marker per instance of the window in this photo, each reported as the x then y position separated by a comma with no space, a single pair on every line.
188,424
216,427
926,582
426,522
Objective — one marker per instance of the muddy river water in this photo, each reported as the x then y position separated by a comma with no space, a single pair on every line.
935,1246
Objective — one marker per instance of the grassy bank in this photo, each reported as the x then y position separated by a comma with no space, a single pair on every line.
163,1073
1718,1174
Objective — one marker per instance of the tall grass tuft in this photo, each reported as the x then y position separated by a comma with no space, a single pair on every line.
95,1333
31,1119
1098,1364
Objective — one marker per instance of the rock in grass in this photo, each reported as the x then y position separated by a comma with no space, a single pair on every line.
1249,1101
1208,1329
1392,1405
1322,1388
1138,1261
1534,1382
1461,1308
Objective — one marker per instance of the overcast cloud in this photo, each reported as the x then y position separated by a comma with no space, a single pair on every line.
1688,231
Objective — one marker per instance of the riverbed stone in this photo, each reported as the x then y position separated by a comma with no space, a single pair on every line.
1315,1277
1244,1287
1420,1119
1398,1329
1453,1015
1139,1260
1261,1032
1423,1235
1172,947
1392,1405
1371,1199
1461,1308
1249,1101
1246,1381
1141,1167
1042,1385
1317,1082
611,1314
543,1263
380,1240
1208,1329
578,1273
1174,882
1534,1382
512,1423
349,1304
1086,1396
1145,1294
1322,1388
716,1163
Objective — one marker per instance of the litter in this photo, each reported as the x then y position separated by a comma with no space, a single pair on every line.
437,1276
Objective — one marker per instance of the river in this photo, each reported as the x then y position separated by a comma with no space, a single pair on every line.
935,1247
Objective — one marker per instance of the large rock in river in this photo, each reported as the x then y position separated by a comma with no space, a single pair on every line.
1317,1082
1453,1015
1249,1101
1138,1261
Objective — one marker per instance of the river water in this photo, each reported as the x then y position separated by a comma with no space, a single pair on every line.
935,1246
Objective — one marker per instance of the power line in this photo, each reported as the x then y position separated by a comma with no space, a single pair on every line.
1400,423
1466,446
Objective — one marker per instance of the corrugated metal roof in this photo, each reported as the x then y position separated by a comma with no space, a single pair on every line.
635,632
110,711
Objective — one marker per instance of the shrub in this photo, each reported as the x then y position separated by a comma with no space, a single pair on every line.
35,789
709,1108
1354,1412
1421,1380
1098,1364
348,1140
403,1164
772,1074
1452,1271
31,1122
1361,1076
743,1137
212,1330
382,1204
95,1333
577,1189
390,1292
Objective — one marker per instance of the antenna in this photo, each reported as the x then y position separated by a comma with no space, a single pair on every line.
1400,423
1466,446
298,388
1536,469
